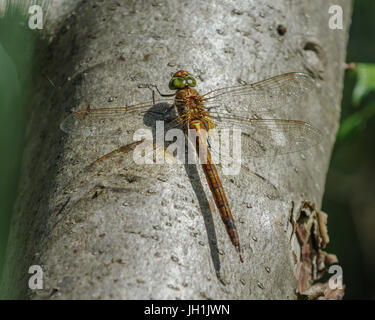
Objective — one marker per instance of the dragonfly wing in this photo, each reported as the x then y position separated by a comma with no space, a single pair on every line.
261,96
269,137
116,121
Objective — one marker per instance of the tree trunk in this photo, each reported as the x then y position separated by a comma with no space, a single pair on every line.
126,231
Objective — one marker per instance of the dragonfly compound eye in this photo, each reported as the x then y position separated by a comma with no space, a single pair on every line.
178,83
191,81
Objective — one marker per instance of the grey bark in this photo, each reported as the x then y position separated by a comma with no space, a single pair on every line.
127,231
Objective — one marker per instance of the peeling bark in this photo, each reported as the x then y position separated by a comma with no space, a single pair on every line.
127,231
312,235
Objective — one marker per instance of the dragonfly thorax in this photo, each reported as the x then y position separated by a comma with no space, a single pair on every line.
190,107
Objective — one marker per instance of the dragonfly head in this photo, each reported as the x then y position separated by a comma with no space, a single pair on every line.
181,79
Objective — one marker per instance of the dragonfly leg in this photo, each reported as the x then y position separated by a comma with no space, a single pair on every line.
151,86
212,107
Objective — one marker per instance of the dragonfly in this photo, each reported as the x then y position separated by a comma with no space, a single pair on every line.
220,108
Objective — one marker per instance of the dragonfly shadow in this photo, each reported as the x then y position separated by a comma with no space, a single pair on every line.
192,172
159,112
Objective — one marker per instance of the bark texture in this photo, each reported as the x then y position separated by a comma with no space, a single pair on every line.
126,231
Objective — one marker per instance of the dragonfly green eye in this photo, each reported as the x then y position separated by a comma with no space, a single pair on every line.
191,81
176,83
182,82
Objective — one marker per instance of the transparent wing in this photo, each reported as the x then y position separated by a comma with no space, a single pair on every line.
268,137
116,121
262,96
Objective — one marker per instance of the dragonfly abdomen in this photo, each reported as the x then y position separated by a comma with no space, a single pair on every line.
221,201
215,184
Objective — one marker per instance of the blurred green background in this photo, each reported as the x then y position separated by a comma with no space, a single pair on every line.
350,190
349,197
19,63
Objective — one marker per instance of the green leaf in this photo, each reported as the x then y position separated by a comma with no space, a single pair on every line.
365,73
357,119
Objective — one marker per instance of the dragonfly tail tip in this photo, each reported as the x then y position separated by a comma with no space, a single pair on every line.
238,248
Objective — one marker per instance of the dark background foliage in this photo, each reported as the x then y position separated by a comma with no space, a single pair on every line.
349,197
